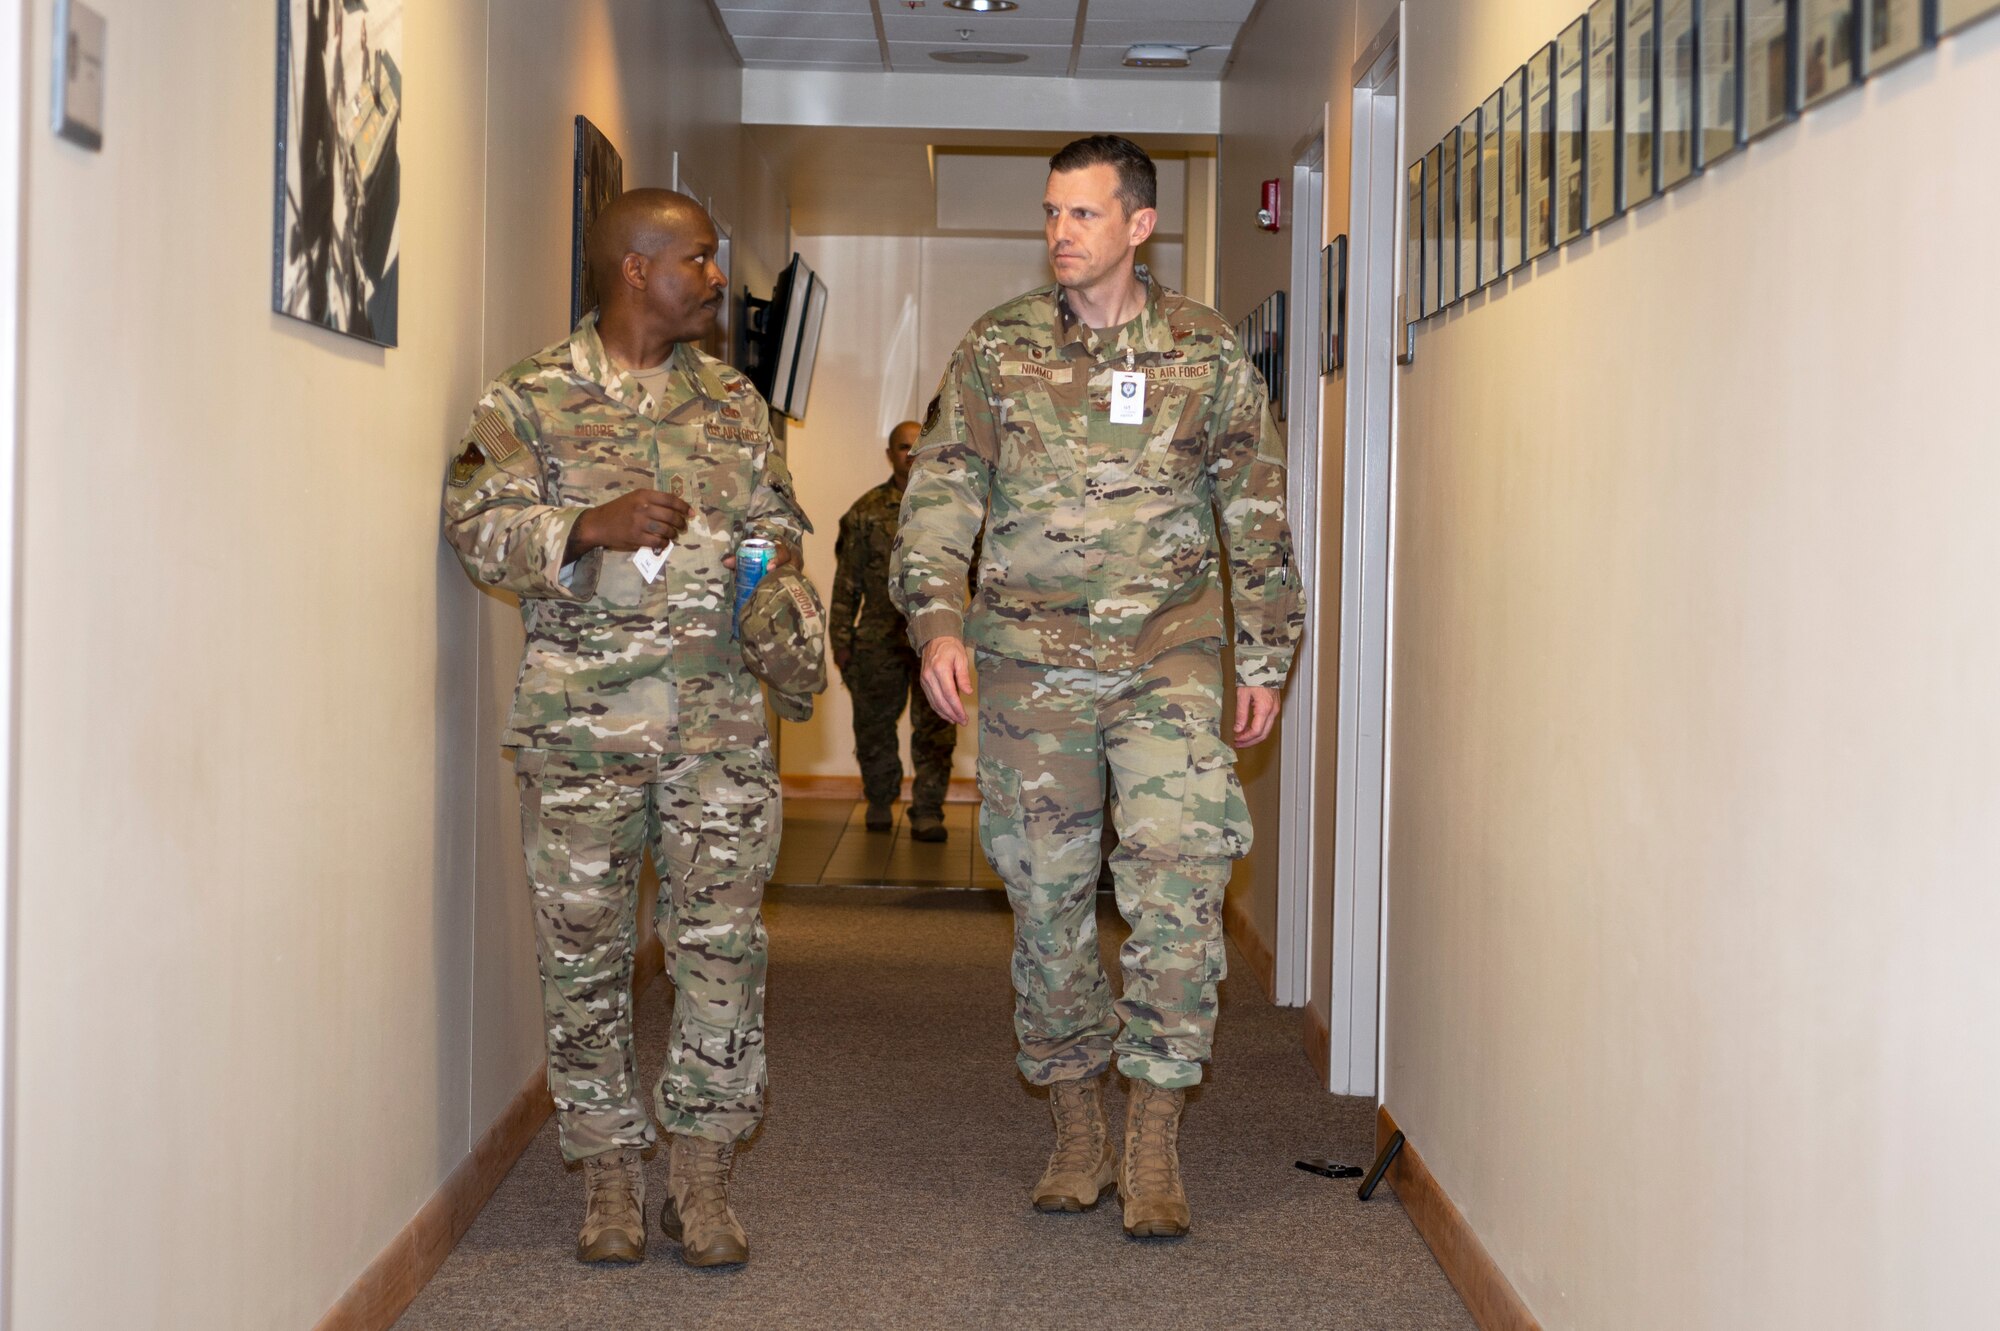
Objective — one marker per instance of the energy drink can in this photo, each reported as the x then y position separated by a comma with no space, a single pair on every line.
753,561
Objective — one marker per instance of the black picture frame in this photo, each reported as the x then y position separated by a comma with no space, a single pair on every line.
597,177
1469,279
1770,97
1539,226
1675,105
1892,31
1604,147
1333,320
1638,101
1489,190
1572,50
1449,289
1413,246
1825,54
1718,75
1433,231
1513,170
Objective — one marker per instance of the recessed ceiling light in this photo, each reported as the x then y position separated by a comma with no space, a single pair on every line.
963,57
982,6
1156,55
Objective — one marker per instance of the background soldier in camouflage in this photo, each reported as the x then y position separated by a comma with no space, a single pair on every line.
871,645
636,723
1107,422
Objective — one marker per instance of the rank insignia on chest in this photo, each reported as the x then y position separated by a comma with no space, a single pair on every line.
466,465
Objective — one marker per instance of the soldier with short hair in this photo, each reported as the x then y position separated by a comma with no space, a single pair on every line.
1125,447
871,645
606,481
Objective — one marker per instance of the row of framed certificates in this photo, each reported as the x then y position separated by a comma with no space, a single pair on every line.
1261,334
1635,97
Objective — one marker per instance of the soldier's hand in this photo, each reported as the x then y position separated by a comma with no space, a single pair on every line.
643,519
1256,712
947,678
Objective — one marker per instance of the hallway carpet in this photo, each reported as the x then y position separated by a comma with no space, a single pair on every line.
889,1185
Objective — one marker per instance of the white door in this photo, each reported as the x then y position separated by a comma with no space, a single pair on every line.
1299,757
13,166
1353,976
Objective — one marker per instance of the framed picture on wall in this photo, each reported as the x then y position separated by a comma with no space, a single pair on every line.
1333,320
1434,297
1637,105
1824,55
1469,278
597,177
1601,145
1513,169
1769,99
1891,32
1569,133
1676,104
1448,280
1489,191
1955,14
1413,247
1541,152
337,252
1718,76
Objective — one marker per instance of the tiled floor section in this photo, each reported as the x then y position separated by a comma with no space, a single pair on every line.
826,843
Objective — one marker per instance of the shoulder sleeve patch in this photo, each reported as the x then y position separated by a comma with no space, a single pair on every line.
466,466
491,430
931,413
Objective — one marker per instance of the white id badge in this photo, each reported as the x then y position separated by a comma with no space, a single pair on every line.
1128,397
650,562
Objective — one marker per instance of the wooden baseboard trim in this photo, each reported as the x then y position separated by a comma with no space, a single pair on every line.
1319,1044
963,790
400,1271
1236,923
1479,1281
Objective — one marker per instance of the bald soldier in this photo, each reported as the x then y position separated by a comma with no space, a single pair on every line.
1124,445
606,481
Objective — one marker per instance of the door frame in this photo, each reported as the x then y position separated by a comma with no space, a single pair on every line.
1299,761
15,54
1358,927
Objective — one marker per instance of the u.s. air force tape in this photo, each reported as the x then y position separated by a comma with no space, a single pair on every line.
499,441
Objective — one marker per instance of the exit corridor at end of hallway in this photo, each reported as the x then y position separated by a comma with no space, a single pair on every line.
888,1187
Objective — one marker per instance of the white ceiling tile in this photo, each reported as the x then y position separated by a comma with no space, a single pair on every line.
797,7
825,52
914,57
776,23
1214,11
1000,30
1178,32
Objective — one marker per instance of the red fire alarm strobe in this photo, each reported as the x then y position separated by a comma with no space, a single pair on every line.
1268,215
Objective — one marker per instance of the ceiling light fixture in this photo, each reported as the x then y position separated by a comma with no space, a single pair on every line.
982,6
1156,55
963,57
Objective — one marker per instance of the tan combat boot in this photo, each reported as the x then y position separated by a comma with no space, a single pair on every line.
1084,1162
614,1216
1150,1181
697,1214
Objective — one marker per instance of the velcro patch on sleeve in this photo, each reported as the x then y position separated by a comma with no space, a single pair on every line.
1054,374
491,430
466,466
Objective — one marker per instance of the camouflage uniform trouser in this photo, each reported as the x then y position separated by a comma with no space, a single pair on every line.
1046,738
881,680
712,822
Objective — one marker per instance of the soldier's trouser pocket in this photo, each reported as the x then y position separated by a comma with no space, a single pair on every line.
1178,795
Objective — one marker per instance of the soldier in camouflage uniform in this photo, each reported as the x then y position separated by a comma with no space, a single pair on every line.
871,645
1108,423
635,723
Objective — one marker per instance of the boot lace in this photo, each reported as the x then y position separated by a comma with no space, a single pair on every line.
614,1192
1077,1147
706,1201
1152,1161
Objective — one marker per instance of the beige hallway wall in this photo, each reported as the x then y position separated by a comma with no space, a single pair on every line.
1692,737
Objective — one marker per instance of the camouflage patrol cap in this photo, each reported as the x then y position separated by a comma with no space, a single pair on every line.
783,632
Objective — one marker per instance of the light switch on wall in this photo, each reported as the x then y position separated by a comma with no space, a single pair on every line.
79,81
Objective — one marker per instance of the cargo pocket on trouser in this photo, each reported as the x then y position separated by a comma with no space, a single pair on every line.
1002,833
1215,819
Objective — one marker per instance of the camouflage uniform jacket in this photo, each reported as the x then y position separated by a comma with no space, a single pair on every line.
1101,542
614,663
861,610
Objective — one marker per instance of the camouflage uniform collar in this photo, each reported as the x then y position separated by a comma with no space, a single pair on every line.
1150,331
593,364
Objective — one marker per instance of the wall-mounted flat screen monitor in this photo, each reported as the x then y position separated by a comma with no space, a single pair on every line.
788,339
